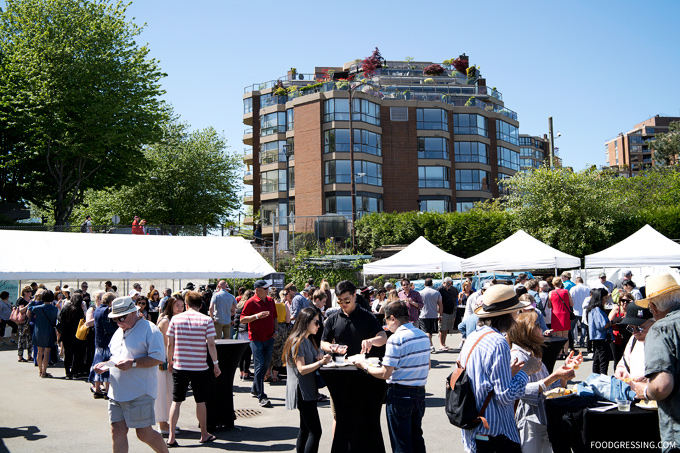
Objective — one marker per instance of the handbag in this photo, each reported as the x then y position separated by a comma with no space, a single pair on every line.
461,407
82,330
17,316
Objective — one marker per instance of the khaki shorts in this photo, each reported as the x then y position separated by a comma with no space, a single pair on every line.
138,413
447,323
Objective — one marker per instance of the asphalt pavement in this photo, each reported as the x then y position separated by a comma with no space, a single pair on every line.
59,415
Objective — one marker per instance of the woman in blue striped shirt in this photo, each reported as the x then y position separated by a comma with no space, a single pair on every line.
491,370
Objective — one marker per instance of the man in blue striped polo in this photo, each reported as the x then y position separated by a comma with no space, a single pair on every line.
405,367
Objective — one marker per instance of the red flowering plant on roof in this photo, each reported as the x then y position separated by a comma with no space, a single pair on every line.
372,63
434,70
461,65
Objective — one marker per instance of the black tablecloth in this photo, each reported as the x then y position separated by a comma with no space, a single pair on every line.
358,400
573,427
220,403
551,349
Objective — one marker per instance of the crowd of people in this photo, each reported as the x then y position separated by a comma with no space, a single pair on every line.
142,352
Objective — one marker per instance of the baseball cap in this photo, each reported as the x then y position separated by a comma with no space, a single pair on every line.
262,284
603,275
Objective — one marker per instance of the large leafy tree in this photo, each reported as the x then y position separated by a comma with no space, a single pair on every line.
81,93
666,147
189,178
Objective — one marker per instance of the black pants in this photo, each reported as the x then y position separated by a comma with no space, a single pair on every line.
74,352
244,363
498,444
601,352
89,351
617,351
310,426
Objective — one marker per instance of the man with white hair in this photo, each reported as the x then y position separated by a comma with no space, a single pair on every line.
449,295
662,359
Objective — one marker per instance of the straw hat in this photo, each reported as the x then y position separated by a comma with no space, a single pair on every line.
656,286
500,300
122,306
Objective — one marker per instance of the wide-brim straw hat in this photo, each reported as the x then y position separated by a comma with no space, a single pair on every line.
656,286
500,300
121,306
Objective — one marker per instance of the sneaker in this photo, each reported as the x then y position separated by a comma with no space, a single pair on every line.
254,394
264,402
322,398
432,349
12,342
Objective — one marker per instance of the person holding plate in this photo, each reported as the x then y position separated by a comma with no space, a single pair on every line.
405,368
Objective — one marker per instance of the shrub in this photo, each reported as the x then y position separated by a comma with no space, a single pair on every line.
434,70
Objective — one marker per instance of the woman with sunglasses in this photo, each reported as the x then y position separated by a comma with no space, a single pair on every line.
637,323
303,358
143,305
621,335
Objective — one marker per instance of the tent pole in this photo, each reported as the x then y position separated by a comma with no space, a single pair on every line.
19,289
555,272
180,285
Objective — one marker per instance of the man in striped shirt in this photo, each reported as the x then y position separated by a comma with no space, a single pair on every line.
187,335
405,367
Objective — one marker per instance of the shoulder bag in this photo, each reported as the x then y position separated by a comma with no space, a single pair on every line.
83,330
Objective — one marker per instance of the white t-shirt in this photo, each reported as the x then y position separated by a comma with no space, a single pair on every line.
144,339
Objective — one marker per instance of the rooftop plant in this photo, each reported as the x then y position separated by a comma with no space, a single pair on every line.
434,70
460,64
372,63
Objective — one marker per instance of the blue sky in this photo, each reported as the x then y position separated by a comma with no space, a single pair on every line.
596,67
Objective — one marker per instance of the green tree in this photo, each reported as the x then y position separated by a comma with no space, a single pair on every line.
189,178
571,211
84,95
666,147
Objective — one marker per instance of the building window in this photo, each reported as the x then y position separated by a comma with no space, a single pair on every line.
247,105
341,203
269,208
432,119
275,180
465,204
434,177
433,148
337,141
363,110
470,124
508,158
503,190
472,180
508,132
338,172
471,152
435,204
272,123
272,152
290,119
525,141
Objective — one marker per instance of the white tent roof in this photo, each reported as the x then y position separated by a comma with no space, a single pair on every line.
646,247
520,251
39,255
419,257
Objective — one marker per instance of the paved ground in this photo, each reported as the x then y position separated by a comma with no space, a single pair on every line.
56,415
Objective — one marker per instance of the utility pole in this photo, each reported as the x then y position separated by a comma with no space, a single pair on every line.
552,142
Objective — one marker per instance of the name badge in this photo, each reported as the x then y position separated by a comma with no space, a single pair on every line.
481,437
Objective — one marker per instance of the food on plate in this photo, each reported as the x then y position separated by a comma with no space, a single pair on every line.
651,405
558,393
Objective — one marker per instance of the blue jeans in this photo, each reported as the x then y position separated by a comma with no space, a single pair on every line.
262,357
405,409
578,325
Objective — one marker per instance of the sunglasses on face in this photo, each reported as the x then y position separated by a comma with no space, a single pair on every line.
121,319
626,301
317,322
344,301
634,329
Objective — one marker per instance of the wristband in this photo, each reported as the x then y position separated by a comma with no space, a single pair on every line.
215,362
645,393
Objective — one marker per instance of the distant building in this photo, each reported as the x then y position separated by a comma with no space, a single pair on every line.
421,141
534,152
629,152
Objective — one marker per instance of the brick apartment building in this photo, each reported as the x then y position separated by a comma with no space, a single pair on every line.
629,152
421,142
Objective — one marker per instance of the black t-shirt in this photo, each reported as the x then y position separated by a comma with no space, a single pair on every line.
351,330
361,302
449,299
87,299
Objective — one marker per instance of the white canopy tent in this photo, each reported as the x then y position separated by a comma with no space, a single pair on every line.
520,251
34,255
646,247
419,257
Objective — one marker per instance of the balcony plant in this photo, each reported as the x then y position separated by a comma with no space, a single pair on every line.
471,102
280,91
407,94
461,64
342,85
428,80
434,70
371,64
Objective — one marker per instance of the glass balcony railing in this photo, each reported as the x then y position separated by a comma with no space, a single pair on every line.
281,129
248,131
272,100
269,157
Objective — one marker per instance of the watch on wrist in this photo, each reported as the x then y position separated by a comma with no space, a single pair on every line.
215,362
134,363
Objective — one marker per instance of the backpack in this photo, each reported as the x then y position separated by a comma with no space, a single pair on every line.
83,227
461,407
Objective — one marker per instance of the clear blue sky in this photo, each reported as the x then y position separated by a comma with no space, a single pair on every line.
596,67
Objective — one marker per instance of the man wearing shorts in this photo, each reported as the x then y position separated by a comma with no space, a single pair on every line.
449,295
187,334
431,311
137,349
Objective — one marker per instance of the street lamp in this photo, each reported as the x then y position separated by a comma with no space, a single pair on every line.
552,142
288,150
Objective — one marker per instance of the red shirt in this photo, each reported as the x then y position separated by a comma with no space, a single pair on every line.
260,329
136,227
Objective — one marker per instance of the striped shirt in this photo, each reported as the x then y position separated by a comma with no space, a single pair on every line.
408,351
190,329
489,369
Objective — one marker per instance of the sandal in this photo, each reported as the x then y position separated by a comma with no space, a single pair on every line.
21,359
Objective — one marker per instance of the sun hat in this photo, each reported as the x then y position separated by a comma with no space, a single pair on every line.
500,300
603,275
121,306
656,286
635,315
134,292
566,274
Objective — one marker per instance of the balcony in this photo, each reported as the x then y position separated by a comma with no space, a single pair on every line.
248,136
248,179
248,221
248,198
248,157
